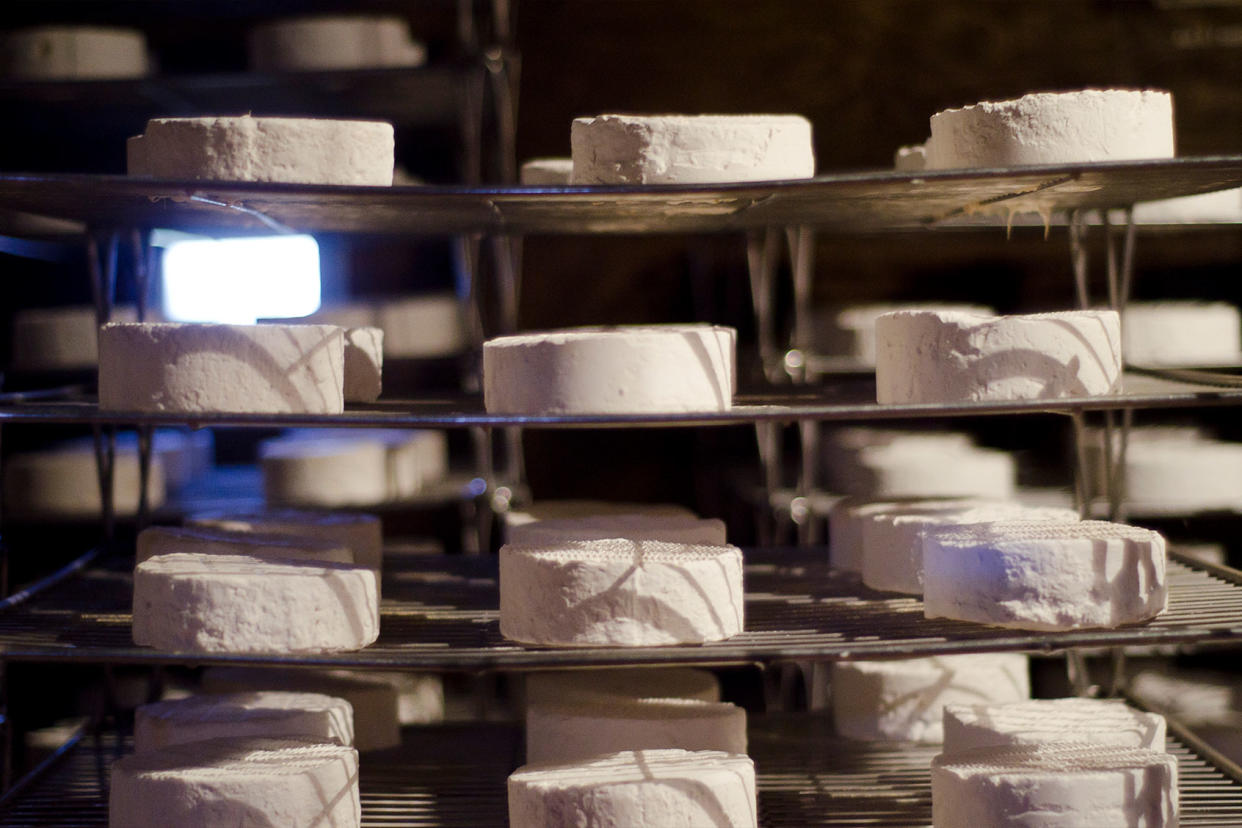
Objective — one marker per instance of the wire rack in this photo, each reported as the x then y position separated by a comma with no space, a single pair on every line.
454,775
439,613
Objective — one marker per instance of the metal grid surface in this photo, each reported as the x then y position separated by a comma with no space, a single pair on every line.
842,202
439,613
453,775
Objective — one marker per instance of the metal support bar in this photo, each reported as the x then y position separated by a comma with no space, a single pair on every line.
140,245
145,437
481,440
762,255
801,241
105,465
101,250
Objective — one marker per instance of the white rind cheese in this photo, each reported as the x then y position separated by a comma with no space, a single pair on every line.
904,700
234,604
272,714
192,368
690,149
415,327
63,481
1181,333
1045,576
638,369
166,540
848,516
321,43
626,683
364,364
361,533
1054,786
945,357
1170,470
73,52
60,339
546,172
1040,721
910,159
620,593
644,787
850,331
1054,128
278,150
341,471
237,782
570,730
695,531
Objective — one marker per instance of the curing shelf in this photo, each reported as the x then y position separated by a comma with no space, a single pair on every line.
846,399
843,202
805,774
440,613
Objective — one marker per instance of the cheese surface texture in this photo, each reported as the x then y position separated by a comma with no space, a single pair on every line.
1181,333
260,782
946,357
1045,576
69,52
234,604
311,716
360,533
690,149
1054,128
669,788
1040,721
278,150
620,593
193,368
164,540
333,42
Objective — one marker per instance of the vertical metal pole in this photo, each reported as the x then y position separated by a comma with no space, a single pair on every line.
768,436
481,439
1078,255
145,438
801,241
762,254
105,465
1082,478
140,246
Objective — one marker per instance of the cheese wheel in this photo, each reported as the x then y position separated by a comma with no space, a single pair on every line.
546,172
311,716
233,604
364,364
1041,721
642,787
1169,470
1181,333
360,533
620,593
164,540
237,782
697,531
193,368
341,470
73,52
63,482
630,683
848,515
850,331
1045,575
889,464
944,357
690,149
333,42
60,339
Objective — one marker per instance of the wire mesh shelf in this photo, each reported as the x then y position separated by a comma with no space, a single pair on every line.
454,775
440,613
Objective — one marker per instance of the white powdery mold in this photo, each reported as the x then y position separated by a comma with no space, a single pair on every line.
165,540
1042,721
946,357
670,529
330,42
237,782
620,593
848,516
892,541
364,364
1054,786
360,533
1045,575
642,787
273,714
277,150
850,331
1054,128
567,731
690,149
1181,333
206,368
903,700
621,370
623,683
546,172
234,604
73,52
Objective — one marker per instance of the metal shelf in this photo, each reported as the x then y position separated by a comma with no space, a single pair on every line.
806,776
440,613
844,202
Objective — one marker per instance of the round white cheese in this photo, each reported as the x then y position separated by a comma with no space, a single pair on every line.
641,787
945,357
360,533
670,529
887,463
336,471
1181,333
1054,786
1040,721
165,540
570,730
237,782
690,149
620,593
904,700
281,150
233,604
850,331
1054,128
60,339
628,683
553,172
73,52
1045,575
204,368
364,364
1170,470
618,370
333,42
63,481
311,716
849,514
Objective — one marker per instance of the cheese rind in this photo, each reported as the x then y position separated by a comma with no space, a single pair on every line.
364,364
570,730
1041,721
629,683
237,782
360,533
1054,128
1045,576
620,593
164,540
327,42
69,52
278,150
273,714
203,368
1054,786
1181,333
644,787
690,149
946,357
234,604
903,700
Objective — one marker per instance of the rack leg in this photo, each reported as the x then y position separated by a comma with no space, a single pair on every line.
140,247
101,250
762,255
1078,256
105,464
808,479
1079,676
504,70
801,241
768,436
481,438
145,439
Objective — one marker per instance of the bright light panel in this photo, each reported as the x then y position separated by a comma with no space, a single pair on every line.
240,280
